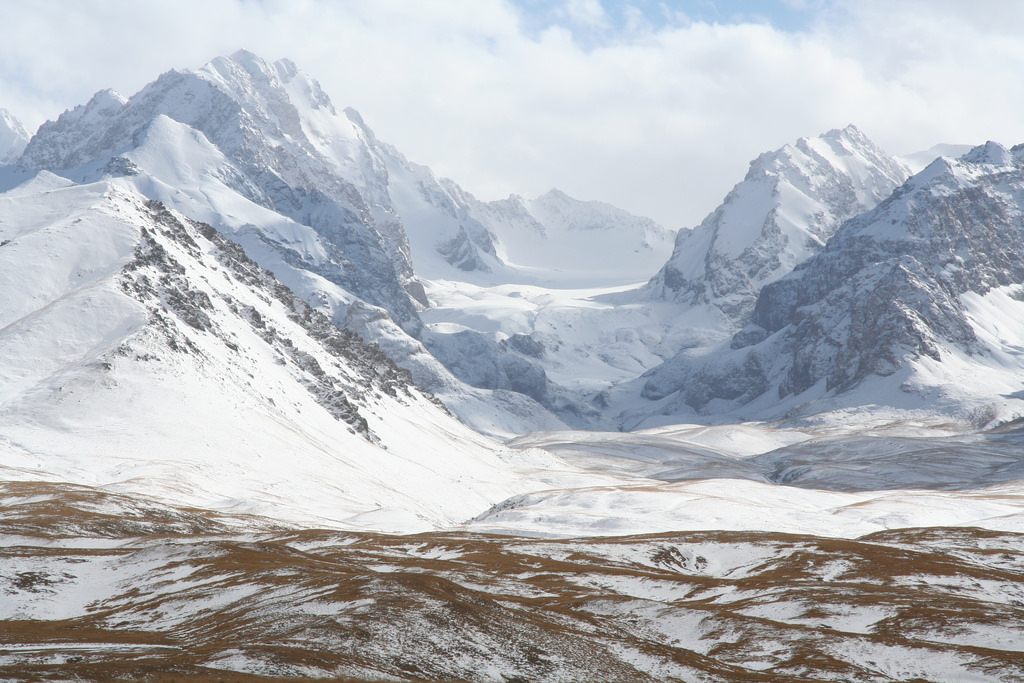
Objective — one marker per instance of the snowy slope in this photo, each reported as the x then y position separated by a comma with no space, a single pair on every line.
558,241
585,340
845,478
445,242
147,354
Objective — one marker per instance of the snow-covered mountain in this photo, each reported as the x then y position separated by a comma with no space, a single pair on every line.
788,205
145,354
148,353
553,240
258,151
915,304
13,137
599,341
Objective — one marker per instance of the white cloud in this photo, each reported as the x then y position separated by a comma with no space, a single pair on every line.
587,12
659,119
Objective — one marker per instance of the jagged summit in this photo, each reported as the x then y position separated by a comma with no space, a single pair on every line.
992,154
233,100
268,134
788,205
261,77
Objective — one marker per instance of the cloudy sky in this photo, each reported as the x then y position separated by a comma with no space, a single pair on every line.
655,106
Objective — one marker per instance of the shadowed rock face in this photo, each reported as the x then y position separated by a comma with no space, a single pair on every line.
99,586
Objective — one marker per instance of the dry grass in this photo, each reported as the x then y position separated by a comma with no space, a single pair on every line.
186,596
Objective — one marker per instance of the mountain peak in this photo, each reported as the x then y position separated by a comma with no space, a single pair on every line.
241,73
786,208
920,280
13,137
258,83
250,60
103,104
107,100
271,135
991,153
849,132
554,194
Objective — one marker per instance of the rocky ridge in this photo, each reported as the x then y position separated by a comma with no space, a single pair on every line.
789,204
189,373
889,288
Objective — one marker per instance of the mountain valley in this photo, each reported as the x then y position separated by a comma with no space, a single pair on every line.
277,402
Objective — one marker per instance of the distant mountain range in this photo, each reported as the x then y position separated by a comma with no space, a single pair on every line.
830,279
